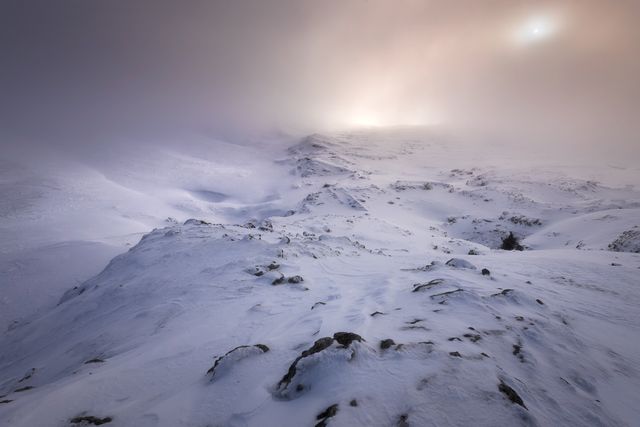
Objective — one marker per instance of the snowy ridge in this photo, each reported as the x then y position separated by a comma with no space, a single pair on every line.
376,296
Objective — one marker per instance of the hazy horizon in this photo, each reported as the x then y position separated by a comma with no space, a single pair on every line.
92,73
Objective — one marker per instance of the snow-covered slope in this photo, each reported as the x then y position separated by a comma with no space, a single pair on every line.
365,287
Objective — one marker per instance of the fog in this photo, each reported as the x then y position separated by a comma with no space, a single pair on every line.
81,74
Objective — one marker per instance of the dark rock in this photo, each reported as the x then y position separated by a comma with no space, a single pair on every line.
353,402
412,327
420,286
443,294
6,401
194,221
90,419
212,370
455,354
278,281
346,338
318,304
539,301
385,344
376,313
262,347
317,347
28,375
511,394
331,411
486,272
21,389
273,266
94,360
473,337
504,292
295,279
511,243
266,225
403,421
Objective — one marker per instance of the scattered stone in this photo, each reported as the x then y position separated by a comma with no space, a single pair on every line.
346,338
279,281
385,344
455,354
319,303
539,301
353,402
420,286
331,411
460,263
21,389
266,225
28,375
295,279
473,337
376,313
273,266
523,220
486,272
628,241
511,394
263,348
6,401
516,349
473,252
403,421
90,419
412,327
443,294
94,360
454,339
504,292
318,346
193,221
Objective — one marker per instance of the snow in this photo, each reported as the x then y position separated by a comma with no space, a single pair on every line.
381,233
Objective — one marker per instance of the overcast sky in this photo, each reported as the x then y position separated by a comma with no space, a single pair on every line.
83,72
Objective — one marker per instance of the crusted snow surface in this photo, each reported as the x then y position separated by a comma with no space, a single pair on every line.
549,337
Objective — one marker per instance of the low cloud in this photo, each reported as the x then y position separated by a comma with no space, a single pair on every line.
78,73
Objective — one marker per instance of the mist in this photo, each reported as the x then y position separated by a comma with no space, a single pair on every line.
80,75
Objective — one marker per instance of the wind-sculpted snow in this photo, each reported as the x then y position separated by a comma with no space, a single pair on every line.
379,299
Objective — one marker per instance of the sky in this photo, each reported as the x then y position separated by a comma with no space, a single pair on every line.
78,73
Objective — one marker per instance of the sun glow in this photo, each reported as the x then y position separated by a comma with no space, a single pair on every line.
366,119
535,30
